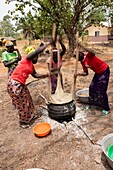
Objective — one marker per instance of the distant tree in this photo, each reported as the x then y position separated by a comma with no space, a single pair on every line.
111,16
26,24
34,26
6,28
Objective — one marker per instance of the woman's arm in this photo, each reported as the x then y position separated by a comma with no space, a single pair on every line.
19,55
81,74
38,51
36,75
63,47
6,63
87,50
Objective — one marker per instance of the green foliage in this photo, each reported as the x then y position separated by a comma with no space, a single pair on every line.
19,38
27,23
67,13
69,16
6,28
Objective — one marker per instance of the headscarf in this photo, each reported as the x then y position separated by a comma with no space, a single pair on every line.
4,41
55,49
9,44
29,50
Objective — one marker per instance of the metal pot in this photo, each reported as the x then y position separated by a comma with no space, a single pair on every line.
62,112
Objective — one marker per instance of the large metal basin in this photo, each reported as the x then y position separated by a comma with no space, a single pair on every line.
106,142
83,95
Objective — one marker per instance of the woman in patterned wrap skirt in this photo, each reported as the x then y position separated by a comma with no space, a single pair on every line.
17,89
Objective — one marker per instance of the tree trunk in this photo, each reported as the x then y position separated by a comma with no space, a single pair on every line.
72,41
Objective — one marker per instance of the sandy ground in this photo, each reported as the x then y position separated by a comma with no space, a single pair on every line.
66,147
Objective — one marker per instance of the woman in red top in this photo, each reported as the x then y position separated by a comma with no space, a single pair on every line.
17,89
99,84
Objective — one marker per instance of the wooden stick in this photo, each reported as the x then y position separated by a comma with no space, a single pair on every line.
93,142
76,67
44,107
49,78
59,87
58,55
43,98
32,82
51,58
54,32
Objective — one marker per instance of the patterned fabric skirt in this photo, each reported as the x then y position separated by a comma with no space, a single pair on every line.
21,98
98,90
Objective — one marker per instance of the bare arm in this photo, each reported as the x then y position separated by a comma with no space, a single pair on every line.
63,47
37,51
81,74
19,55
6,63
36,75
87,50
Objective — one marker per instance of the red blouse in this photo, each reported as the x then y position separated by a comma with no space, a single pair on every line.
22,71
94,63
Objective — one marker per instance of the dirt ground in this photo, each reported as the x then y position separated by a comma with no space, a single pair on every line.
66,147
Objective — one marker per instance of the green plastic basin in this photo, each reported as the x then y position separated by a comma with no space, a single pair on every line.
110,151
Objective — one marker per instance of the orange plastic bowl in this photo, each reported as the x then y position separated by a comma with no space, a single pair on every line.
42,129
